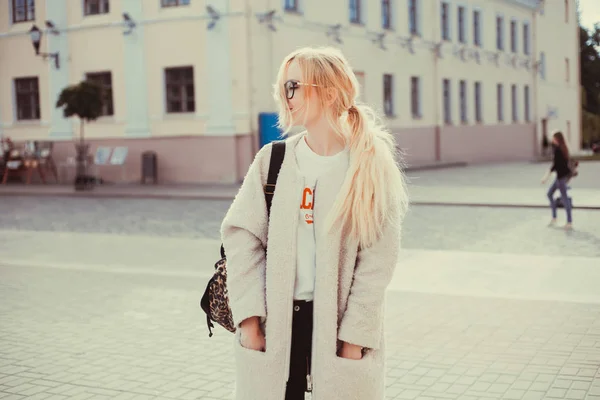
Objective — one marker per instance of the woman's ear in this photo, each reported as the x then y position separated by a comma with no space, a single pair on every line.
331,96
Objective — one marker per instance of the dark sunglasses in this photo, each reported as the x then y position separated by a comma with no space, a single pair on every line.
291,86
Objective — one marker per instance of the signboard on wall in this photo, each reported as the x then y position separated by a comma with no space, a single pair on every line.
552,112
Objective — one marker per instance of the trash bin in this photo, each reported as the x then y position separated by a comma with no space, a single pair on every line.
149,167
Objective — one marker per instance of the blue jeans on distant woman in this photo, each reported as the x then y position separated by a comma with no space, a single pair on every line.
561,185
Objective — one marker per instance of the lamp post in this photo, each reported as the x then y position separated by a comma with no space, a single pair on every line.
36,38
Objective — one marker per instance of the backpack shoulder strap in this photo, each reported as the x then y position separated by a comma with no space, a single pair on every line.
277,155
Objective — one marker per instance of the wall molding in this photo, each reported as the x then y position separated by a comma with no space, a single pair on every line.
531,4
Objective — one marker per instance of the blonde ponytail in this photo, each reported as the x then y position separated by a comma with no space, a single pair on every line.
374,193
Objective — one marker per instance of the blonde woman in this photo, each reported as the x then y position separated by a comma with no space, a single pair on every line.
306,287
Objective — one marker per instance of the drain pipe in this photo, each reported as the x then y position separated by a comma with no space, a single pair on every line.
250,70
535,75
436,86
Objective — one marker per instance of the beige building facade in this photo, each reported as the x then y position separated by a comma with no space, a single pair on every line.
457,80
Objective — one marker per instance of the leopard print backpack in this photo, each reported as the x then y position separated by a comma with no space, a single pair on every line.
215,300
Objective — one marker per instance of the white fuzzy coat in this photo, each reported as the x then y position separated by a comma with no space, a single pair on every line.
349,293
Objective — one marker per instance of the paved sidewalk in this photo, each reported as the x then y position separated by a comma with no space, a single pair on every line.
507,175
500,185
98,316
479,274
584,199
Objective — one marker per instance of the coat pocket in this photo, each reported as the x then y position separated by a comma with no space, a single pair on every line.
359,379
240,348
250,364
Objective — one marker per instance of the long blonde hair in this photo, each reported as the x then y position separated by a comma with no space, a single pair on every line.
375,184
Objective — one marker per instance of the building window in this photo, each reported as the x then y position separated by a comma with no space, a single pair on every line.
23,10
526,101
447,102
513,36
567,70
291,5
360,77
543,65
355,11
500,33
515,103
28,98
174,3
462,24
500,100
388,95
415,97
462,29
478,109
477,28
180,89
445,20
386,14
413,21
463,101
104,80
526,39
95,7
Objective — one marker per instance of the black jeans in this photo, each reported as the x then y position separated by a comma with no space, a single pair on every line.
300,357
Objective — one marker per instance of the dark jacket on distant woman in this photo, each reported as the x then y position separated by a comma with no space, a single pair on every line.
560,164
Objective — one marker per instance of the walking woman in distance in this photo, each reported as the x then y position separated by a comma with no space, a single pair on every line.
306,286
560,165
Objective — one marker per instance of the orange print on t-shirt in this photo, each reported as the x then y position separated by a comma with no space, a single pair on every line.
308,204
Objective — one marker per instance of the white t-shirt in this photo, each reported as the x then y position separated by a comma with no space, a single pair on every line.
312,166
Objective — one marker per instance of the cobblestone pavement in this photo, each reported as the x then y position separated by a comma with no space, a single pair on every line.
81,334
499,230
84,332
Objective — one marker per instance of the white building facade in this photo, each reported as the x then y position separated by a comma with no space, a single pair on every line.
457,80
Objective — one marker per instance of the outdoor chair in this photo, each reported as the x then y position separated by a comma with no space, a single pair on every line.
21,162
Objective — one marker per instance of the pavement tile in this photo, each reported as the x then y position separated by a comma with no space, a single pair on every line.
533,395
514,394
540,386
39,396
580,385
408,394
498,388
557,393
576,394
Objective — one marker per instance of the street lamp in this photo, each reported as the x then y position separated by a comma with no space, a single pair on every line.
36,37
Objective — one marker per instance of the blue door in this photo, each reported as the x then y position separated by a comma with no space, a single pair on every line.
267,128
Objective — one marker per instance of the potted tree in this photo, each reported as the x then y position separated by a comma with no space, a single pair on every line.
83,100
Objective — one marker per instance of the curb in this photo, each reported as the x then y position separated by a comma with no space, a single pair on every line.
171,196
96,195
459,164
495,205
109,268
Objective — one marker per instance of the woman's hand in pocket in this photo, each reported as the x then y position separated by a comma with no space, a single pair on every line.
251,336
350,351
